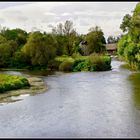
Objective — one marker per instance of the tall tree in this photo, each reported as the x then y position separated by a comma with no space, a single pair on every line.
129,44
126,23
95,40
39,48
66,37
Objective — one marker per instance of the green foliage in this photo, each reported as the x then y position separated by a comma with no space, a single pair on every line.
94,62
59,49
122,45
18,35
95,40
126,23
39,48
7,50
63,58
99,62
67,38
54,64
66,65
81,66
61,41
129,44
8,82
19,60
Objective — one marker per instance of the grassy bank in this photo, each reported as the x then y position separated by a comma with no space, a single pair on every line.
8,82
37,86
94,62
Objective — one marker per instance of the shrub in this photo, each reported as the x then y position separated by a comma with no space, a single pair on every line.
75,55
99,62
66,66
94,62
54,65
81,66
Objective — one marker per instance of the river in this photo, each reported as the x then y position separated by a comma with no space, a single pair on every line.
80,104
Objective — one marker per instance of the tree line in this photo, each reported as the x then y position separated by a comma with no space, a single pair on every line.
129,44
20,49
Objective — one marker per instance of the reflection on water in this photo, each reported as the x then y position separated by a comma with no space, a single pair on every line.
40,72
27,72
135,80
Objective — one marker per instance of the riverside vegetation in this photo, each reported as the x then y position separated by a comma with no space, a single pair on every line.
129,44
62,50
56,51
36,50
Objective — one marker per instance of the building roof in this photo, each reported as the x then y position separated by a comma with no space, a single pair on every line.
111,47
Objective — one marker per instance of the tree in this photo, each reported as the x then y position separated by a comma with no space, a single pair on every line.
60,29
126,23
129,44
7,51
39,48
95,40
17,35
66,37
68,27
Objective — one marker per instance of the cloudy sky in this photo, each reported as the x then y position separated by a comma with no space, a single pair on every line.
32,16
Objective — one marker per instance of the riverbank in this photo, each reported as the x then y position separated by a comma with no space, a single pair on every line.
37,86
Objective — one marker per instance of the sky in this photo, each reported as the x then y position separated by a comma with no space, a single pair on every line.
32,16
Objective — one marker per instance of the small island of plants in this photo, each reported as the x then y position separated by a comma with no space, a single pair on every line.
10,82
93,62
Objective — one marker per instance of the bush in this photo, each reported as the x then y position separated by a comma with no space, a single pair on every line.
81,66
99,62
66,66
94,62
75,55
8,82
54,65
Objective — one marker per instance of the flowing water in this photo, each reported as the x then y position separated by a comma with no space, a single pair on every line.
81,104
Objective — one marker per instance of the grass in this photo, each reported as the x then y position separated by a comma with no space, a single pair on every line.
9,82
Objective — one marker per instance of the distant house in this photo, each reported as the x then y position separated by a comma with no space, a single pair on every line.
111,48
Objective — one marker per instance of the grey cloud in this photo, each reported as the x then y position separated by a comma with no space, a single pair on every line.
15,15
84,15
93,6
22,18
50,26
116,6
83,23
4,5
70,8
2,20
